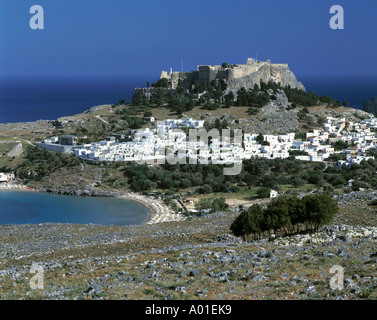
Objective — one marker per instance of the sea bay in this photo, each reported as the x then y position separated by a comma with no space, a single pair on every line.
32,207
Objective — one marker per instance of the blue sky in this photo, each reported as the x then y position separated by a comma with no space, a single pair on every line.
120,38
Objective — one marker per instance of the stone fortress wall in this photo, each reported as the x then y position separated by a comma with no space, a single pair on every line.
236,76
208,73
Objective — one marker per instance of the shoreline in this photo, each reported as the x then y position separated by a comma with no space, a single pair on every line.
158,211
6,186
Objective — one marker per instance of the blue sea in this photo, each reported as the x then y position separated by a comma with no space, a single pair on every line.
356,90
32,207
48,99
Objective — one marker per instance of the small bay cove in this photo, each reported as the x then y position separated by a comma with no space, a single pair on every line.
32,207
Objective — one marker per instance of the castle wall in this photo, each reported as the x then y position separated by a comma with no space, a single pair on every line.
175,76
237,76
164,74
204,74
208,73
223,74
244,70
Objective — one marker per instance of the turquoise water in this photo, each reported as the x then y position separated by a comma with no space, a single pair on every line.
29,207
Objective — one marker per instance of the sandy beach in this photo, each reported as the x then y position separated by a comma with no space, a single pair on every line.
160,212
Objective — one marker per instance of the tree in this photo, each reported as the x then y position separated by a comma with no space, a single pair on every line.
277,215
345,103
340,145
206,188
224,65
270,181
161,83
297,181
320,209
229,99
219,204
158,97
256,167
337,156
263,192
211,105
287,215
180,89
248,222
315,177
203,203
134,122
296,212
180,103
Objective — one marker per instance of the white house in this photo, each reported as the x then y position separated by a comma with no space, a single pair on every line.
6,177
273,193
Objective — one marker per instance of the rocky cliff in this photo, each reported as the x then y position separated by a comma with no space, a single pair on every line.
266,73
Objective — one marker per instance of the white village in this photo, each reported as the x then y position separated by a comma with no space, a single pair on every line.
168,141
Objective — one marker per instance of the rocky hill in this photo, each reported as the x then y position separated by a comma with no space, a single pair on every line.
266,72
277,116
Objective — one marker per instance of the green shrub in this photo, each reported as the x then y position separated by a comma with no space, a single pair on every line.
286,215
372,203
248,222
263,192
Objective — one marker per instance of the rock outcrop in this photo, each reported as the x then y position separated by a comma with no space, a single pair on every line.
268,72
88,191
16,151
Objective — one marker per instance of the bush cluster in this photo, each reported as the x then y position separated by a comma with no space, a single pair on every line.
41,162
214,205
286,216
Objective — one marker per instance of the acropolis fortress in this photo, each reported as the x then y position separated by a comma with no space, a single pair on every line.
263,70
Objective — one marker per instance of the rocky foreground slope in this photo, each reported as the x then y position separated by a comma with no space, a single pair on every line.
196,259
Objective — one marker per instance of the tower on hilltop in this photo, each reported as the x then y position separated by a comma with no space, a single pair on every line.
250,61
